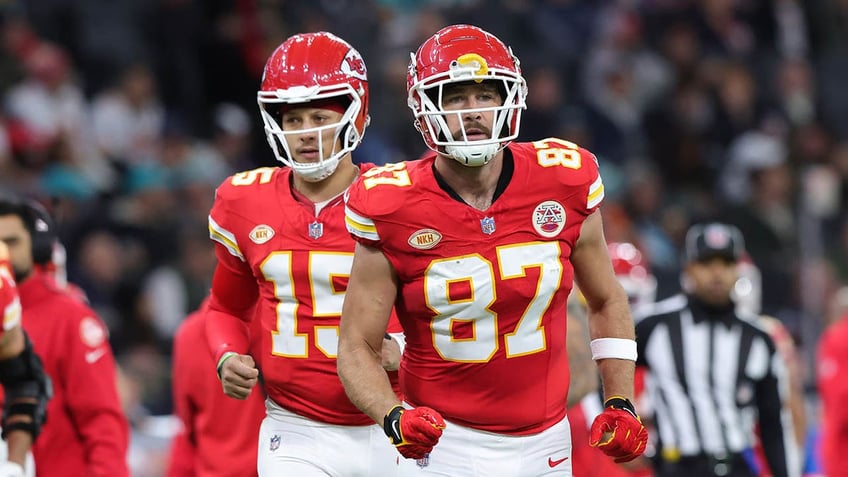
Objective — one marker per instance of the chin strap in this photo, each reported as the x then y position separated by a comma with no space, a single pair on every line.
473,156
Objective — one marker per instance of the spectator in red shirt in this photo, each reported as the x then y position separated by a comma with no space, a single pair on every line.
219,432
87,433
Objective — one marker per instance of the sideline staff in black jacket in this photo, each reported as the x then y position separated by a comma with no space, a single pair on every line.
713,373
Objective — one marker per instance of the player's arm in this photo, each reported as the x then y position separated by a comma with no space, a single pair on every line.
231,304
367,306
617,431
19,441
23,415
90,384
609,313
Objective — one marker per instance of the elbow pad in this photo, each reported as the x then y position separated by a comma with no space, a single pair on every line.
28,389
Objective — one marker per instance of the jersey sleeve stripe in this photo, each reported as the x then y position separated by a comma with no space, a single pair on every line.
596,193
225,238
360,226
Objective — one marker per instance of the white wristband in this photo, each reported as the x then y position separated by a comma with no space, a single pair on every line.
618,348
401,340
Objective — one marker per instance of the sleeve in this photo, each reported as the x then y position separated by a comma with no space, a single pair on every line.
230,310
595,191
183,448
775,420
92,397
361,227
234,291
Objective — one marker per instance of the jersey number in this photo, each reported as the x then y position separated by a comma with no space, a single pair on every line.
390,174
565,154
326,269
478,274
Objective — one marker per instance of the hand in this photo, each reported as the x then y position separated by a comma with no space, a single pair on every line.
390,354
239,375
618,431
415,431
11,469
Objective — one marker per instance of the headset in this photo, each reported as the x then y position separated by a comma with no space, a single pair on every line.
42,231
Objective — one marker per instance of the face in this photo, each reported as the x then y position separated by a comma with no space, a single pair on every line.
305,147
16,236
713,279
476,124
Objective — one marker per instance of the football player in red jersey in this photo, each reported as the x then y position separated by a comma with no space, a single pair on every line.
477,246
23,424
282,245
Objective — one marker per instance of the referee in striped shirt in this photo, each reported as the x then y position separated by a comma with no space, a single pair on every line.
713,374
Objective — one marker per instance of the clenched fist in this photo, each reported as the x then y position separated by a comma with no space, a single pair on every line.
618,431
415,431
238,375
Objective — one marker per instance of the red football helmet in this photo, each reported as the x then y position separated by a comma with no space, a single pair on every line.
315,67
633,273
456,54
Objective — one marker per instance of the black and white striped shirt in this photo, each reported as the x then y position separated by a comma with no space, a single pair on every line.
712,376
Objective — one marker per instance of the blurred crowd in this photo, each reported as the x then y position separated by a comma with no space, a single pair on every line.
123,116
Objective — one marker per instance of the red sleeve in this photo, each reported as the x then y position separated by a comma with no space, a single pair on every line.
183,447
234,293
181,459
92,396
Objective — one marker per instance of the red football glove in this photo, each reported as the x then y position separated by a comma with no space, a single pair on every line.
413,431
618,431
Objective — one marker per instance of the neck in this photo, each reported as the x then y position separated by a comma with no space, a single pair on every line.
475,185
341,179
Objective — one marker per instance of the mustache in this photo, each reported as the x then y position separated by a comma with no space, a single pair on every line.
469,126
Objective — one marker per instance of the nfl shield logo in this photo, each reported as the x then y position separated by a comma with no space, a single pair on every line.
316,230
487,224
275,443
424,461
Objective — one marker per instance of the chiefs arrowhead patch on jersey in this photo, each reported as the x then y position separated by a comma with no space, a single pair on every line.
549,218
261,234
424,239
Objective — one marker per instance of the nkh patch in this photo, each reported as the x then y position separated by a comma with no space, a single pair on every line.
424,239
549,218
261,234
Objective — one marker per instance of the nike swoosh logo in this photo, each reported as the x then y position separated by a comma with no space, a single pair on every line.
92,356
554,463
396,428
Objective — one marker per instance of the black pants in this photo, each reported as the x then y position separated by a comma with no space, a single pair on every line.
705,466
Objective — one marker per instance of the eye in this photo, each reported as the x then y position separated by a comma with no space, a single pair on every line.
487,97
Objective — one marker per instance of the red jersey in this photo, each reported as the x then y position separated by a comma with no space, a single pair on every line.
833,391
86,433
219,432
10,304
268,241
482,294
